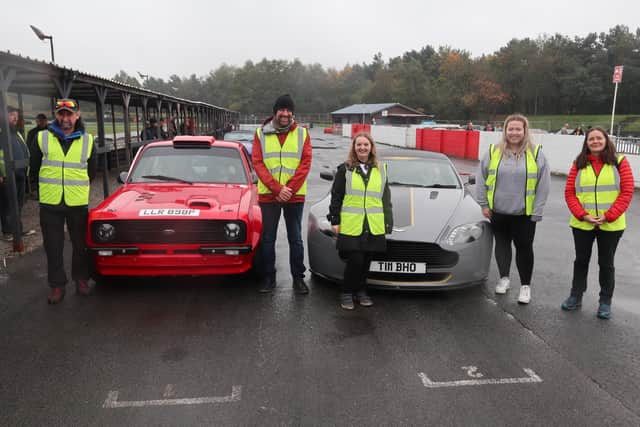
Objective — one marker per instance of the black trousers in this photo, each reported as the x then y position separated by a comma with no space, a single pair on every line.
607,244
520,230
6,219
356,270
52,220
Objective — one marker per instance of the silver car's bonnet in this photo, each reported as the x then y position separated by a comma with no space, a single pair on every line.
420,214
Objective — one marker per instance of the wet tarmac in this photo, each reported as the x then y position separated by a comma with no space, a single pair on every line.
213,351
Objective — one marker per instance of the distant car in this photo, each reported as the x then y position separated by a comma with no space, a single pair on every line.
440,238
245,137
187,207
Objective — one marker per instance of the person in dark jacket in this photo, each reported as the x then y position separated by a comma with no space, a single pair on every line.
21,157
32,144
360,214
151,131
66,162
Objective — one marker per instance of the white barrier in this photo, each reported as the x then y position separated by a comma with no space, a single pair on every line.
559,150
396,136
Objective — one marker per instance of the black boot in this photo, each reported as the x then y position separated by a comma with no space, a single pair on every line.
268,285
299,287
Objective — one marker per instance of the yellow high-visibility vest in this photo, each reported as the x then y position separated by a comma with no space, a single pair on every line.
363,201
64,174
495,156
596,195
282,160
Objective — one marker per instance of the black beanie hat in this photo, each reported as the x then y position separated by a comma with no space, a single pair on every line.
284,101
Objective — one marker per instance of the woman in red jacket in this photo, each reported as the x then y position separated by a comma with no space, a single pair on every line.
598,192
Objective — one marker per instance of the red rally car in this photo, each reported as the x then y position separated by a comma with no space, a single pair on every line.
186,207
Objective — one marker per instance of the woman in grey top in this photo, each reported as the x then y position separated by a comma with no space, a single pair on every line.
512,194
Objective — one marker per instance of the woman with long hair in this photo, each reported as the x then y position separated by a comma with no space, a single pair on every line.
598,192
360,214
512,194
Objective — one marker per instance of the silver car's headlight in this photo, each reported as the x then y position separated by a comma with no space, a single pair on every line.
465,233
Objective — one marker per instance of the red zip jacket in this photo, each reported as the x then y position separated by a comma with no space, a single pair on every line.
619,206
265,176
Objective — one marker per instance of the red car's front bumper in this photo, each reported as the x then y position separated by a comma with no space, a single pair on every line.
174,261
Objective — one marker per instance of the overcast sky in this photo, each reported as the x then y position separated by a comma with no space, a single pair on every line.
162,37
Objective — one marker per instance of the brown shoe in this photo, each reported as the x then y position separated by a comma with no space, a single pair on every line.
56,295
83,288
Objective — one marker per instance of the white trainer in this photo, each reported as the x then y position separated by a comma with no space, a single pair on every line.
503,285
525,294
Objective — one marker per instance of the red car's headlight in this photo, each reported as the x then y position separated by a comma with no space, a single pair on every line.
106,232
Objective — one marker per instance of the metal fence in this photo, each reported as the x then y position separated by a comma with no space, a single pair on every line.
627,145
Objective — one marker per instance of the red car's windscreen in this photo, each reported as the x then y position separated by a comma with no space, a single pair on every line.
195,165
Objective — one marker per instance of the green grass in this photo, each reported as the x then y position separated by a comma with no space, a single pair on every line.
92,128
555,122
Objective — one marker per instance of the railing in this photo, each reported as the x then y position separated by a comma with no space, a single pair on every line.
627,145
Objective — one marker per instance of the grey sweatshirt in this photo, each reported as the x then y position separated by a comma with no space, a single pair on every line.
511,182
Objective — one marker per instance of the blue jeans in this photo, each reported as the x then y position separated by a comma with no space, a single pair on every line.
293,220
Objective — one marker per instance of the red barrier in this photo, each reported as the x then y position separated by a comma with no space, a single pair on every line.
432,140
419,139
454,143
328,130
359,127
473,144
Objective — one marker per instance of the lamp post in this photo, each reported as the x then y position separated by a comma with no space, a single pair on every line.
43,36
146,79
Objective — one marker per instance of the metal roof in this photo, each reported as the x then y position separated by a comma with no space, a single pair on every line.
41,78
372,108
364,108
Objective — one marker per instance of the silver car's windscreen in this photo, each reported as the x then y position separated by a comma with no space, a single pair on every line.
422,173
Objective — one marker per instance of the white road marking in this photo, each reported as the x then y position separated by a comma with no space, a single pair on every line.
472,371
169,391
532,378
112,400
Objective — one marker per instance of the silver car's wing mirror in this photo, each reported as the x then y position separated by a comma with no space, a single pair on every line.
327,175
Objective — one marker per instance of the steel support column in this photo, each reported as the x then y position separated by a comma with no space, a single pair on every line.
102,96
126,98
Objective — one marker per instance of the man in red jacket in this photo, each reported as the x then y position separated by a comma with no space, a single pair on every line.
281,156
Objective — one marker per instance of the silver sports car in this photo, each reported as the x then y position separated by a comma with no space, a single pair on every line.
440,238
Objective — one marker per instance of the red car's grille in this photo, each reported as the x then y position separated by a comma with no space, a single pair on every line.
161,231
